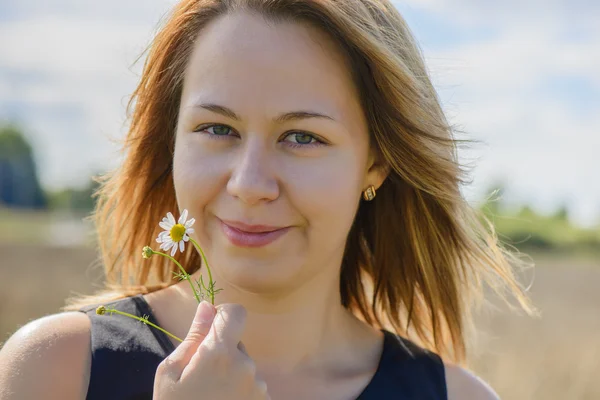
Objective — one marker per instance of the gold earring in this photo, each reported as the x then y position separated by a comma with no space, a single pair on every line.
369,193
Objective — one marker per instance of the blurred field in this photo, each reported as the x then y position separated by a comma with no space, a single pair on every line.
555,357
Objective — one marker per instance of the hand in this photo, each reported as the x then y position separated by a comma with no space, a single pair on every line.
211,362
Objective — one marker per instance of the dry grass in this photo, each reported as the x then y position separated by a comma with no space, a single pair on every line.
555,357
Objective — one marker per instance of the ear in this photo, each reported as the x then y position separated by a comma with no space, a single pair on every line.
377,171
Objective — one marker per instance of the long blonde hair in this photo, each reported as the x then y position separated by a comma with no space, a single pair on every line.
417,256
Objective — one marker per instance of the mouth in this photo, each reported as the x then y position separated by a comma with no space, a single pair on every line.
245,235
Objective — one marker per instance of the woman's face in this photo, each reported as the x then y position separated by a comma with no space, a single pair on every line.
270,132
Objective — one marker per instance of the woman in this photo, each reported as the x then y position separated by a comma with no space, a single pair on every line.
308,143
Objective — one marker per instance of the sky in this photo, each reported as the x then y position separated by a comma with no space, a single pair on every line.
522,78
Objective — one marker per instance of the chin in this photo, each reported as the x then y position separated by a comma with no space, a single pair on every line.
258,276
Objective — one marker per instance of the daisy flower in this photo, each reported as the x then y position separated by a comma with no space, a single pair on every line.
176,233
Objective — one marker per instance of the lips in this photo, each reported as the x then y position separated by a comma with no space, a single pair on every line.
251,228
245,235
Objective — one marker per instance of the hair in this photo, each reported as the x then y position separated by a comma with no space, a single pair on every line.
418,257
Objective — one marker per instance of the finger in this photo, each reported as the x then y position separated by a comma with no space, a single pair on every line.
228,325
203,319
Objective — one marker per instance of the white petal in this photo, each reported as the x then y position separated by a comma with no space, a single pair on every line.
186,238
171,218
183,217
164,234
190,222
167,245
190,230
174,250
166,225
181,246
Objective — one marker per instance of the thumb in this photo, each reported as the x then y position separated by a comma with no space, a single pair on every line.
180,357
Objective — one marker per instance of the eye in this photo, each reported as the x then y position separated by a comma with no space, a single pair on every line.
217,130
302,139
292,139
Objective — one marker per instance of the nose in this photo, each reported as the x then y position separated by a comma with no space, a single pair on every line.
252,177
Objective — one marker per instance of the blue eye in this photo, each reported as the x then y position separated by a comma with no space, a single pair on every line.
301,138
218,130
298,139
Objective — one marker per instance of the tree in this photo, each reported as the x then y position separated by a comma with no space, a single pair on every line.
562,213
19,183
74,199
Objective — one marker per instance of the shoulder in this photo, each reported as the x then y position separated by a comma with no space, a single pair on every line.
463,384
52,351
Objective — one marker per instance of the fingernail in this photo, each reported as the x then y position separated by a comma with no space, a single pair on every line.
205,312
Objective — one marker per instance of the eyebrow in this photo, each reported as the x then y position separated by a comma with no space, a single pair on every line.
288,116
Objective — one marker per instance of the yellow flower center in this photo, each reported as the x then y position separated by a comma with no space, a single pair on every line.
177,232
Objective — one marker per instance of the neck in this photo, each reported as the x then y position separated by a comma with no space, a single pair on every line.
301,329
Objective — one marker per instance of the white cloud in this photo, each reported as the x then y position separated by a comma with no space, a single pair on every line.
509,13
130,11
65,46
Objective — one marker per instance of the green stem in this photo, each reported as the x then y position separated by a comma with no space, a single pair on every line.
183,271
144,320
212,294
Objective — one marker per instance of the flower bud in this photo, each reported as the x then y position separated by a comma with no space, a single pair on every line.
101,310
147,252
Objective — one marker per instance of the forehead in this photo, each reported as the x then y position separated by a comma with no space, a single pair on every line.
241,56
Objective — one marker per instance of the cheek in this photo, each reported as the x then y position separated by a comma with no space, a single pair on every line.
326,191
195,176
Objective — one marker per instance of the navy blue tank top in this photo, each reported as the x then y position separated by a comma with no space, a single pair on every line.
126,354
